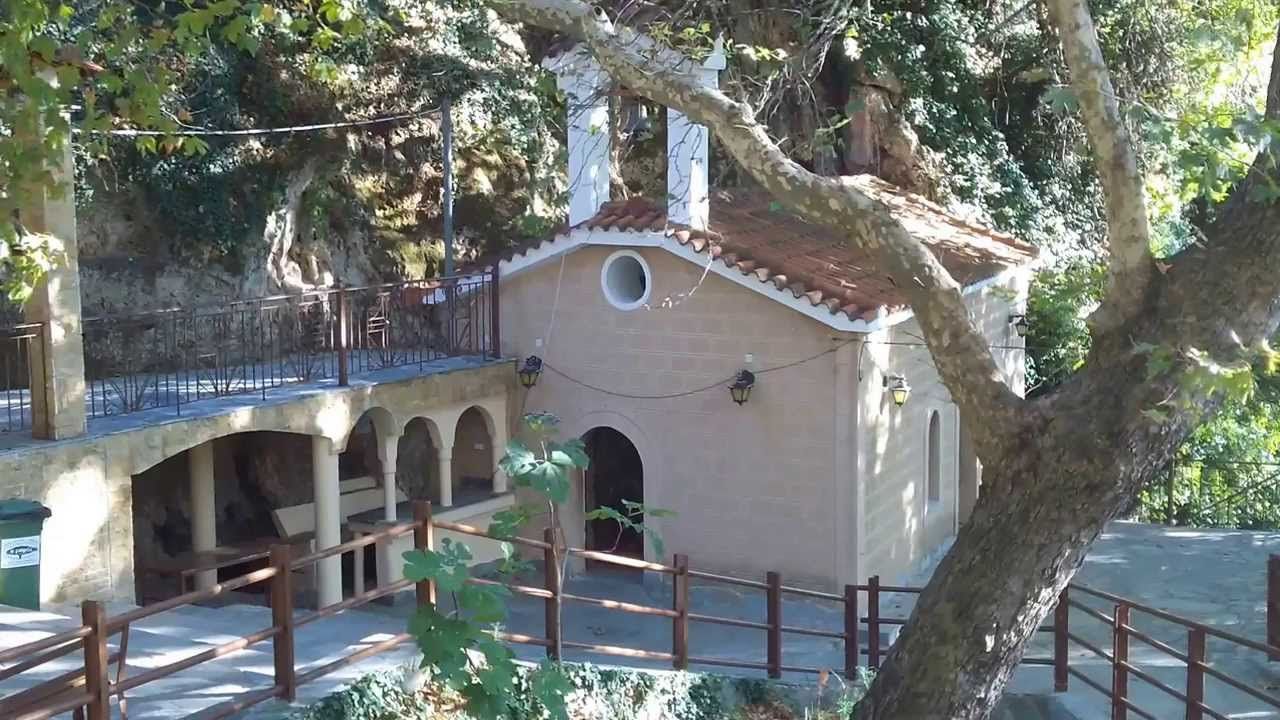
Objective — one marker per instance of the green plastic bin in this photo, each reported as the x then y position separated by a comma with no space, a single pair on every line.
21,522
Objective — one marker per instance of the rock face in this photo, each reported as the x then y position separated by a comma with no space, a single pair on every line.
417,471
880,142
130,262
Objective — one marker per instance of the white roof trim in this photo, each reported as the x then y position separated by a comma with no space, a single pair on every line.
580,237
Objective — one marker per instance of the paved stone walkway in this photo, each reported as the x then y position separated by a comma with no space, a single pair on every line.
1215,576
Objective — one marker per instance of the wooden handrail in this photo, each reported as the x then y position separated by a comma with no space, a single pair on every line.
360,542
622,561
1177,619
471,530
190,598
178,665
35,646
53,709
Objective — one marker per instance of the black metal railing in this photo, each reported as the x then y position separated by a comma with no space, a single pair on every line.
171,358
21,370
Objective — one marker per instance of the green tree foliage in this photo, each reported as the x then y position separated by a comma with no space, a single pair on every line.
175,68
460,648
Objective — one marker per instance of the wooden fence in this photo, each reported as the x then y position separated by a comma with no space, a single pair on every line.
87,690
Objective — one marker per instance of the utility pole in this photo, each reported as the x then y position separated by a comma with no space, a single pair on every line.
446,130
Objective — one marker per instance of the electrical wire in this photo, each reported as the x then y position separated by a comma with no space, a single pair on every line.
205,132
730,379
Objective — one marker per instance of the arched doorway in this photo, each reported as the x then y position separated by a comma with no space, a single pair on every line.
615,474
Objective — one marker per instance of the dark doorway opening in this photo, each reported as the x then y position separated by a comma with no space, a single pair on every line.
615,474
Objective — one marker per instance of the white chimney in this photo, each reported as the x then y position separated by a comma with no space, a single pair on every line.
688,184
585,85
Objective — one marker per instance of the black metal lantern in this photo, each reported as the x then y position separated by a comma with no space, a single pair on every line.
898,388
741,387
530,371
1020,324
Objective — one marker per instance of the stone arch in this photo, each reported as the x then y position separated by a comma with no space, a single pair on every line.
383,422
650,458
362,450
418,460
473,460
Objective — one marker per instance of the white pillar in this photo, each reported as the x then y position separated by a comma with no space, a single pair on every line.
584,84
324,469
499,450
446,479
688,183
387,453
204,513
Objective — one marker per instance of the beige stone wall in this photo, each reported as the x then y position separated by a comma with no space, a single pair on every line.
87,481
754,487
472,449
902,526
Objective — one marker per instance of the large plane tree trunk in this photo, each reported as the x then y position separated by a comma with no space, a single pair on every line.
1171,338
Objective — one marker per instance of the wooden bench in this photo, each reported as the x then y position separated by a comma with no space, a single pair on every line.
357,495
295,525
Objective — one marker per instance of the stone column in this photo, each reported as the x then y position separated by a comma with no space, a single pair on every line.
446,476
57,362
499,450
387,450
204,513
324,469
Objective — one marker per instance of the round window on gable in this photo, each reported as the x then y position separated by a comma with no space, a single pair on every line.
625,280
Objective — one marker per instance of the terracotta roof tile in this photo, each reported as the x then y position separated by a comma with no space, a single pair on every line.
751,235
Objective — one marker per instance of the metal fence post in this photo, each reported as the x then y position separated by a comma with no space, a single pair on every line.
551,618
680,603
343,360
1119,661
495,334
424,538
1273,605
851,623
1195,673
282,619
873,621
774,611
1061,615
95,660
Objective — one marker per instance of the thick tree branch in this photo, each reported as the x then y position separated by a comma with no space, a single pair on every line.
1129,232
960,352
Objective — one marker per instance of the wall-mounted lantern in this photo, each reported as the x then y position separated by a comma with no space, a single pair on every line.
530,371
1020,324
741,387
898,388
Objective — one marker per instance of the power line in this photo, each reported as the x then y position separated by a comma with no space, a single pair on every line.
204,132
725,382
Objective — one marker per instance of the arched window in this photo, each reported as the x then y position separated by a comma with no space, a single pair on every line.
934,468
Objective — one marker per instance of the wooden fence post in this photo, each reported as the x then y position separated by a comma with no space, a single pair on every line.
851,624
1273,605
1119,658
95,660
424,538
551,621
773,604
343,360
680,603
1195,674
873,621
282,618
1061,615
